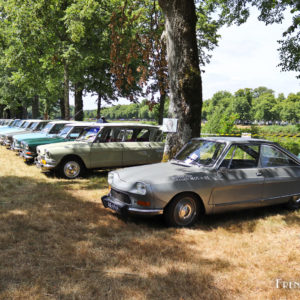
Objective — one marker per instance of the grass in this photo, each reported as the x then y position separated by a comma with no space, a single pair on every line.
57,241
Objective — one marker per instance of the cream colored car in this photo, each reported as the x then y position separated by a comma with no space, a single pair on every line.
107,145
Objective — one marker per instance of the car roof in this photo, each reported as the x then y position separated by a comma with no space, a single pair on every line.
61,122
79,123
127,125
231,140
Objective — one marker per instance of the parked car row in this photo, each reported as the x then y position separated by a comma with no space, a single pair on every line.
73,147
207,176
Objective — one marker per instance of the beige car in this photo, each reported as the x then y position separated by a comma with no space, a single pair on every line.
107,145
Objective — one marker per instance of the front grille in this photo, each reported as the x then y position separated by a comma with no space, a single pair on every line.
120,196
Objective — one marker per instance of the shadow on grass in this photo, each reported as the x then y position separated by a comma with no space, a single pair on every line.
246,220
53,245
235,222
96,180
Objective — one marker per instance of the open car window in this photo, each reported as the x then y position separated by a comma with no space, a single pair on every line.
241,156
273,157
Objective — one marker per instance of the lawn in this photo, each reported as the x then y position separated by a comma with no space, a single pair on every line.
58,242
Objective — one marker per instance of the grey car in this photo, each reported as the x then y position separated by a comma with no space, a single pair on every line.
209,175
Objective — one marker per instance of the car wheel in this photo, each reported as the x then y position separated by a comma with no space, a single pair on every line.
182,211
294,203
71,168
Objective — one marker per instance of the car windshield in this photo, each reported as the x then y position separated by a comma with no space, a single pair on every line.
25,125
89,134
47,128
64,132
33,125
40,126
200,152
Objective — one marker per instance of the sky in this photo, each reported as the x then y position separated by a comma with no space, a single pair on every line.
246,57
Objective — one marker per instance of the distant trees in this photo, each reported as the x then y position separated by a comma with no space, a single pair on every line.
253,104
131,111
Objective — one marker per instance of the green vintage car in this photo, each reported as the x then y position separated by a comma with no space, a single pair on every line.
103,146
69,132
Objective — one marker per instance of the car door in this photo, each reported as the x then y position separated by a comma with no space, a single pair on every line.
282,175
239,180
107,149
157,146
136,146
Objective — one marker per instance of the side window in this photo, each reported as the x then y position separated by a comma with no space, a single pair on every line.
272,157
110,135
143,135
128,135
241,156
56,128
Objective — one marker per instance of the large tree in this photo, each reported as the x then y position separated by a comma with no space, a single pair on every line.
184,72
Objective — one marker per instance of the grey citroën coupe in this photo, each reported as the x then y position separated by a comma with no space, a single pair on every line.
209,175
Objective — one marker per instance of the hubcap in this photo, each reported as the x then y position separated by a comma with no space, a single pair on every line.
185,211
71,169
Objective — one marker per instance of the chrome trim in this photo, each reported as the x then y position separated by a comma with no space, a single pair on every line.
146,211
258,200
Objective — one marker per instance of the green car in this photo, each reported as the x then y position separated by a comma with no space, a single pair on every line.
69,132
103,146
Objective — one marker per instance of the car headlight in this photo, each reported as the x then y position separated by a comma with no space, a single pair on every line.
47,154
141,188
110,178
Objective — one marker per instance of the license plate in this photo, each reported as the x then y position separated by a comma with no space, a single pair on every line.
113,206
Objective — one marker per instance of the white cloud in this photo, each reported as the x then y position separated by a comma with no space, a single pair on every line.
247,56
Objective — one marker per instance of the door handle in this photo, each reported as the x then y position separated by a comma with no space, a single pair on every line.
258,173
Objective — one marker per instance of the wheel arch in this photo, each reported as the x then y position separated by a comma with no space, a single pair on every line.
202,209
71,156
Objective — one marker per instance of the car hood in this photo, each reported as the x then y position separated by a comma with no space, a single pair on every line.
160,173
44,140
23,136
65,145
7,130
15,132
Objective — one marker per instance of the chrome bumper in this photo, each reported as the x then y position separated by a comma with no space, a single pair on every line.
126,209
44,166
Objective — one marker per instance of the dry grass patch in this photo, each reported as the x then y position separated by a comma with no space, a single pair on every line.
58,242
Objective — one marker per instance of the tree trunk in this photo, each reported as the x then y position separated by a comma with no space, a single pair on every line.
35,107
78,102
62,107
19,110
2,111
161,108
8,114
24,112
46,112
184,72
99,106
66,92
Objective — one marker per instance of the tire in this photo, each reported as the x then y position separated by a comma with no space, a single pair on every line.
294,203
182,211
71,168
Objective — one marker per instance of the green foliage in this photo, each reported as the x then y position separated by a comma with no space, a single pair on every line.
253,104
130,111
221,123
